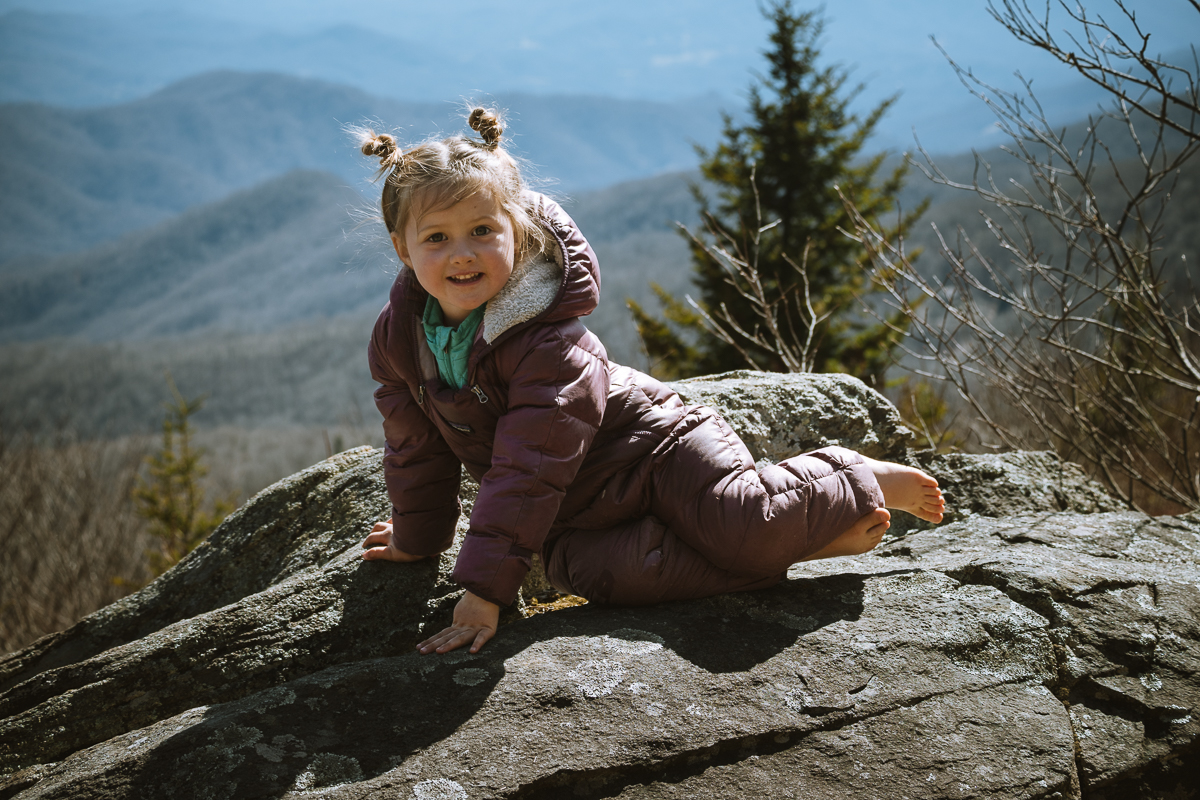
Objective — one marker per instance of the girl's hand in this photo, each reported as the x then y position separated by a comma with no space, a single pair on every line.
475,622
379,545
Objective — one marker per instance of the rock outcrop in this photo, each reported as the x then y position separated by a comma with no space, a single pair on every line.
784,415
1041,646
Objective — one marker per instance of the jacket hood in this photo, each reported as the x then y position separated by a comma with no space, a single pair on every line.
531,290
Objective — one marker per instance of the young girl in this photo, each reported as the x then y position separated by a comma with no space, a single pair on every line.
629,496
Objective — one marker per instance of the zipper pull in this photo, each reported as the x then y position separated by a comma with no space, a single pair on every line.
483,398
421,395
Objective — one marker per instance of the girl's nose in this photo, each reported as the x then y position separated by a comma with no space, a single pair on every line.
462,254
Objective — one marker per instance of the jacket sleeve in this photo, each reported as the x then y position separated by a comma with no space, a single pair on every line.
421,472
556,399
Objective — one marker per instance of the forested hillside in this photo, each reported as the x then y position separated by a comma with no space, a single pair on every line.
282,252
954,211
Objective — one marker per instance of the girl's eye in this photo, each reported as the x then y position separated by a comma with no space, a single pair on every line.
482,230
436,237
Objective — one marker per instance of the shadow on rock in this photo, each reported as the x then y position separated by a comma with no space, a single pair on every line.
350,611
356,721
736,632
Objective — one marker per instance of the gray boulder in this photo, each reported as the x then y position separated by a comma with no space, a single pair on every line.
782,415
1047,654
1012,483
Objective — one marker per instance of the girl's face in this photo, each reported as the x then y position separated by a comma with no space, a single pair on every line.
461,254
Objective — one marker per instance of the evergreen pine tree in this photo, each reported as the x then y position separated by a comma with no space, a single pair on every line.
778,210
171,498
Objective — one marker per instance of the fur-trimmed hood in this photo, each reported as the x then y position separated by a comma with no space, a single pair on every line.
531,289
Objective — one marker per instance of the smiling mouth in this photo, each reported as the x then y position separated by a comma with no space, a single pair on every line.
469,278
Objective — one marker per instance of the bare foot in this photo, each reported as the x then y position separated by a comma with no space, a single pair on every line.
861,537
908,489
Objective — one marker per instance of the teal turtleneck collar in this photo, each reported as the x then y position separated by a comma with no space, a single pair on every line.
450,346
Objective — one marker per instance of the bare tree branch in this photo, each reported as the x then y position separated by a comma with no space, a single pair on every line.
1119,63
1076,331
774,330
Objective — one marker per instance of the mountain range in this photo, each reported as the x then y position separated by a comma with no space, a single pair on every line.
74,178
216,229
81,53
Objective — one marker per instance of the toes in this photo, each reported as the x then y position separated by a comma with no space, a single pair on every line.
880,522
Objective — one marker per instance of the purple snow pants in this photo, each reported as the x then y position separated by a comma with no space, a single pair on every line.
711,523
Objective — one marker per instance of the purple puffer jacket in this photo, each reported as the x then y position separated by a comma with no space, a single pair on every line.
557,436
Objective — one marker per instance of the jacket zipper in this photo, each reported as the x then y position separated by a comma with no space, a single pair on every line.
417,362
483,398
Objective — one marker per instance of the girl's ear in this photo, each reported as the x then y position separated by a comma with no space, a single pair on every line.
401,250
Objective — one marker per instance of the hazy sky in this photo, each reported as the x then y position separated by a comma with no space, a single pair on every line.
670,49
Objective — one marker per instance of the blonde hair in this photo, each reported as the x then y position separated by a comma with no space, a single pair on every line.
442,172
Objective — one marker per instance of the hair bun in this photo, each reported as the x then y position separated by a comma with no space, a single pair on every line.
487,124
383,146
